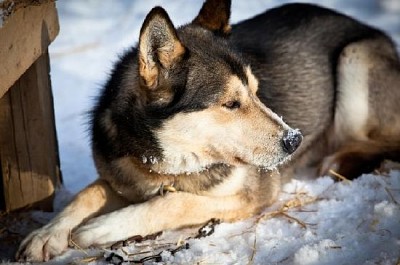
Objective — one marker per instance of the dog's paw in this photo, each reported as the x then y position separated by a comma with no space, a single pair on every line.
42,245
98,232
110,228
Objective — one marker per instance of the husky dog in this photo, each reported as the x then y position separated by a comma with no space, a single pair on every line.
197,110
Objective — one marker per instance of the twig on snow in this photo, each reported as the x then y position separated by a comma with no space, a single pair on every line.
253,253
339,176
391,195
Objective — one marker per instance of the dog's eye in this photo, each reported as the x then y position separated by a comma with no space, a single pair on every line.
234,104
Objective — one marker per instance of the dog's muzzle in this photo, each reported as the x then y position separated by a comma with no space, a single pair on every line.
291,140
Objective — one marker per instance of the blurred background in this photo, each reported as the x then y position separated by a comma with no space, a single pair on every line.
93,33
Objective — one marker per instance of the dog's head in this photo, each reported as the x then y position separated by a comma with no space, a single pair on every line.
206,96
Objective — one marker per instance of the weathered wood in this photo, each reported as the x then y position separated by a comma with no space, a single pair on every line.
25,36
28,143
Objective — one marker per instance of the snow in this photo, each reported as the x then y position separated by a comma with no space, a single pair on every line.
324,222
313,222
391,5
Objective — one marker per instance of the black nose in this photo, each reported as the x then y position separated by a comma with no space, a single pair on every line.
291,140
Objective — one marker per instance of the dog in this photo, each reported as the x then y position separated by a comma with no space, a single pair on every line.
205,121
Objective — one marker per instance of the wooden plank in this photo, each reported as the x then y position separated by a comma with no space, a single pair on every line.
28,143
24,37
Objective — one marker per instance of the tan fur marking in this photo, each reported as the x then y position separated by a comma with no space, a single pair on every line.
253,82
235,90
169,54
97,198
149,72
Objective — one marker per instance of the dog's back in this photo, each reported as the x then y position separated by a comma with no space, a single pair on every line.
329,75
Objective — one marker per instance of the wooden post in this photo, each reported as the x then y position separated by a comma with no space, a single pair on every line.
28,145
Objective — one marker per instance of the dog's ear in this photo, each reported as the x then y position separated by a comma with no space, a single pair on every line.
159,47
214,15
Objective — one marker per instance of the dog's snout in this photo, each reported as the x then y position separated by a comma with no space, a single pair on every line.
291,140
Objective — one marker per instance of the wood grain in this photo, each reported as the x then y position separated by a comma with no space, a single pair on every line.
28,143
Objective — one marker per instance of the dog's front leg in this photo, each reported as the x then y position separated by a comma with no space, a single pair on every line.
161,213
52,239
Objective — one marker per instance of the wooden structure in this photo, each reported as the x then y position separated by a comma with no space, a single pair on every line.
29,171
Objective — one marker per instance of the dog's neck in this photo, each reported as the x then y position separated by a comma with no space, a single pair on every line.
144,168
140,180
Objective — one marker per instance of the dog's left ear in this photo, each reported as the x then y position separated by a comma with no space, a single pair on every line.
159,47
214,15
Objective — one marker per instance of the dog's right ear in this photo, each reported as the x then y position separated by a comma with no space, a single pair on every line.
159,47
214,15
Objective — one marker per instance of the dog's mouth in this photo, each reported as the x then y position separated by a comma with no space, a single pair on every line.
239,161
162,167
276,164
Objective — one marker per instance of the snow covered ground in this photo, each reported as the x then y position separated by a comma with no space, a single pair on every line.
323,222
314,222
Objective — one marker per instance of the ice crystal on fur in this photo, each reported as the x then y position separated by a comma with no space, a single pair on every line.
153,160
293,133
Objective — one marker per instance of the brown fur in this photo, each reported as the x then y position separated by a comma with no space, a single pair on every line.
214,15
